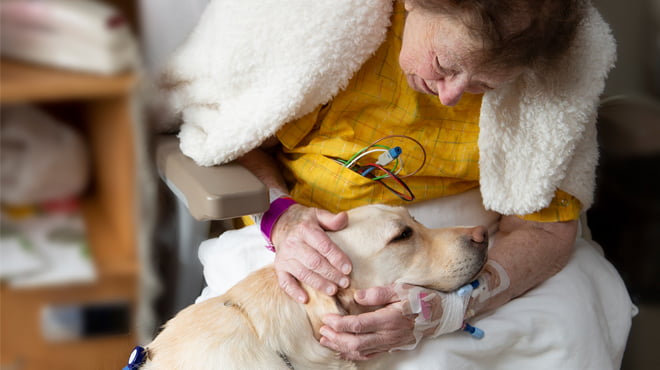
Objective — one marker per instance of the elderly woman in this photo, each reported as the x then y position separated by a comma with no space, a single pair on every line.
490,102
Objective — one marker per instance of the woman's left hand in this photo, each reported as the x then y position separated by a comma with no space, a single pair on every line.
360,337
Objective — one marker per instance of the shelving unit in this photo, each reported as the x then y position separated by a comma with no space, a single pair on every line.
103,105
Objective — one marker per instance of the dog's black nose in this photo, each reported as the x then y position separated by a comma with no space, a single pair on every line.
479,238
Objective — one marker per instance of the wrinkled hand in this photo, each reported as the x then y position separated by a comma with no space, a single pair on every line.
360,337
305,253
409,314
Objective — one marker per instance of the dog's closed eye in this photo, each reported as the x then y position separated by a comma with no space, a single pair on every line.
405,234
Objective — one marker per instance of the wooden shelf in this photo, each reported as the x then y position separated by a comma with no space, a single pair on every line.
104,107
109,210
112,256
21,83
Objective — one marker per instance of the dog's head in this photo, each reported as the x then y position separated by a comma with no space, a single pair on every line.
387,245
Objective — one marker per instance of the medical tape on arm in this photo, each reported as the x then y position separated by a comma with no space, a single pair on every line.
453,305
421,302
483,292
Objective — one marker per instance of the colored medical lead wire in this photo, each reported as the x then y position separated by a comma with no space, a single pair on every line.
421,148
387,155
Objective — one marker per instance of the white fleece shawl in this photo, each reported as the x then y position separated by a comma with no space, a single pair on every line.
251,66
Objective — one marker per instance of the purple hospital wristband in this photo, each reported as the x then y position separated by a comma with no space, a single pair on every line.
277,208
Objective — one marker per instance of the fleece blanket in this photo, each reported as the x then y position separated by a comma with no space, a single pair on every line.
578,319
251,66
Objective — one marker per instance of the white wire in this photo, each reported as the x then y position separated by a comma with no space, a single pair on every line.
351,163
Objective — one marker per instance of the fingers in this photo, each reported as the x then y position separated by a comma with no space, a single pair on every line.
291,286
388,318
310,267
306,253
323,244
330,261
314,274
331,221
363,336
347,344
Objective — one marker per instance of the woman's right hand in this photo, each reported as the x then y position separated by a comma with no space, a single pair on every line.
306,254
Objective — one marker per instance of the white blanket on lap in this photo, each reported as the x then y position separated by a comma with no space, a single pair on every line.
578,319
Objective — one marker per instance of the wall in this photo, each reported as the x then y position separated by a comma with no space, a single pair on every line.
636,27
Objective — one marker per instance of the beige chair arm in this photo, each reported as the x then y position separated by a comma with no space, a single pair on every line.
210,193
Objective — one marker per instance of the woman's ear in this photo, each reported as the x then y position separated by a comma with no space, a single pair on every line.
408,5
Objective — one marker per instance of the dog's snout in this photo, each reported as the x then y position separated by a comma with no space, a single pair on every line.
479,237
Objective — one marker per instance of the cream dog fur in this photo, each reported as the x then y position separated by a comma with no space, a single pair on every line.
255,325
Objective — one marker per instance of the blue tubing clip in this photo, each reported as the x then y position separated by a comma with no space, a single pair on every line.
474,331
467,288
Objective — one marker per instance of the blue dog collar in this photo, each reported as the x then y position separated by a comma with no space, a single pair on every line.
137,358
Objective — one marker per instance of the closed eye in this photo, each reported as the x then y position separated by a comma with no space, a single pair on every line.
442,71
405,234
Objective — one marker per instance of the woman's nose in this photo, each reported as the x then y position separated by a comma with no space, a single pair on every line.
451,89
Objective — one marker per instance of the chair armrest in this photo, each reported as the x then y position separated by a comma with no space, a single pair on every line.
210,193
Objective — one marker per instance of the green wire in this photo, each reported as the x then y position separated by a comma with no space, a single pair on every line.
396,161
365,149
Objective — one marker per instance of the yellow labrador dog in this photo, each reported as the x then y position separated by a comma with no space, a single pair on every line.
255,325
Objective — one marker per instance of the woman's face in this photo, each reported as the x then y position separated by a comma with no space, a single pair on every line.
438,57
